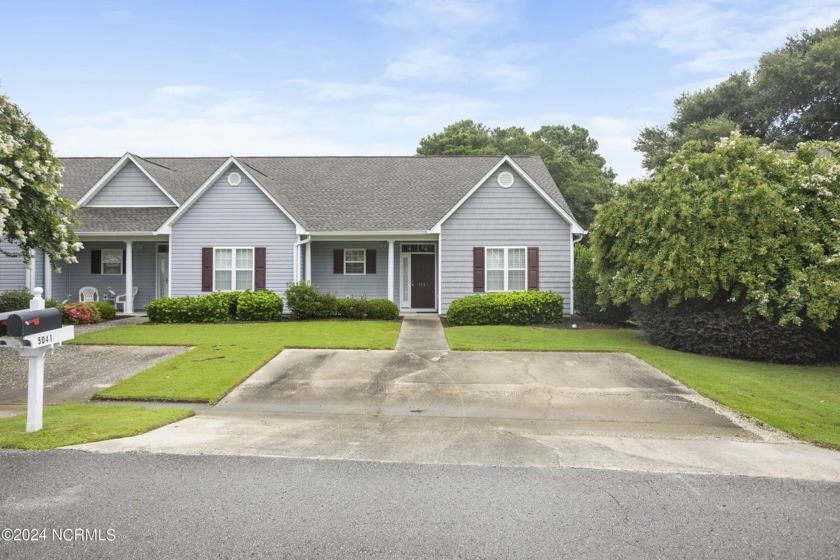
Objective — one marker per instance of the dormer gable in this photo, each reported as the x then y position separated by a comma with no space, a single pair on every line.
126,185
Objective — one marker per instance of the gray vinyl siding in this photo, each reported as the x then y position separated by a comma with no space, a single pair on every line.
12,274
372,286
61,283
76,276
497,217
130,187
226,216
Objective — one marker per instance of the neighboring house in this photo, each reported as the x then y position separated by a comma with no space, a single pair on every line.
420,231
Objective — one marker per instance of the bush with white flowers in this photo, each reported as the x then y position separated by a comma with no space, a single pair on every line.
33,215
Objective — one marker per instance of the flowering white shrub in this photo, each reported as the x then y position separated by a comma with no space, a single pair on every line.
33,215
737,223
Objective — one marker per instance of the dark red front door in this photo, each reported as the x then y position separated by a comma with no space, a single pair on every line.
422,281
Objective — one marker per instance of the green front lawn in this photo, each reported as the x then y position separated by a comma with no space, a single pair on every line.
71,424
801,400
225,355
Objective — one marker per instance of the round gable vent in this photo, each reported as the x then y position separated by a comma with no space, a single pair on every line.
234,179
505,179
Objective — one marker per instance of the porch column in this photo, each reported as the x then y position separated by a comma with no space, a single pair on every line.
391,270
307,269
128,307
48,272
29,272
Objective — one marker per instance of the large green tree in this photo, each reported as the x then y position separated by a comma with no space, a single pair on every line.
33,215
792,96
569,153
741,223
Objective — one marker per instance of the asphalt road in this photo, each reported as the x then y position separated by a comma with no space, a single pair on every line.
156,506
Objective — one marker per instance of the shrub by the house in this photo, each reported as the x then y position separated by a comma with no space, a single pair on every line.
507,308
80,313
106,309
210,308
258,306
306,302
382,309
351,308
13,300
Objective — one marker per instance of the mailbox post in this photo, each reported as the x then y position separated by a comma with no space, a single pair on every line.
35,333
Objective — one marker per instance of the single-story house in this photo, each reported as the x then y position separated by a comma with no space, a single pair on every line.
420,231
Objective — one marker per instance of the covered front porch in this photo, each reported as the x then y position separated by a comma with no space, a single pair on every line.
403,269
112,266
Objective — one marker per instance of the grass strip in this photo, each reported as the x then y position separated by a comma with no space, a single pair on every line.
72,424
801,400
225,355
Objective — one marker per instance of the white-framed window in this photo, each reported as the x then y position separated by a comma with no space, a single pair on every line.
112,261
506,269
233,268
354,261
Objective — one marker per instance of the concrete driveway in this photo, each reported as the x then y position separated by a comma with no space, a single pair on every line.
74,373
481,408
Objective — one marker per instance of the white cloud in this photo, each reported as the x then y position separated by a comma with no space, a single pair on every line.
217,123
722,35
616,139
502,69
334,91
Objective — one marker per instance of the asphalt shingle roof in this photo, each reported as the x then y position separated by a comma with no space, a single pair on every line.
322,193
101,220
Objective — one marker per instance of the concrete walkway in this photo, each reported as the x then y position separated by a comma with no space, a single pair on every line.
422,333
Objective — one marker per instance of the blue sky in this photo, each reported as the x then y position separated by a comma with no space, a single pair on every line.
370,77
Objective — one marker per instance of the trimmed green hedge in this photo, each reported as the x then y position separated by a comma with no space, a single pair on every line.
717,328
306,302
506,308
381,309
13,300
218,307
351,308
259,306
106,309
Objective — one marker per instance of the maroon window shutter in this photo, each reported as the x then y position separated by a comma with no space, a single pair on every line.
533,268
96,261
259,268
370,261
478,269
338,261
207,269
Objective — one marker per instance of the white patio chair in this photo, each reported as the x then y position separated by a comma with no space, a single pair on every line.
88,293
120,299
